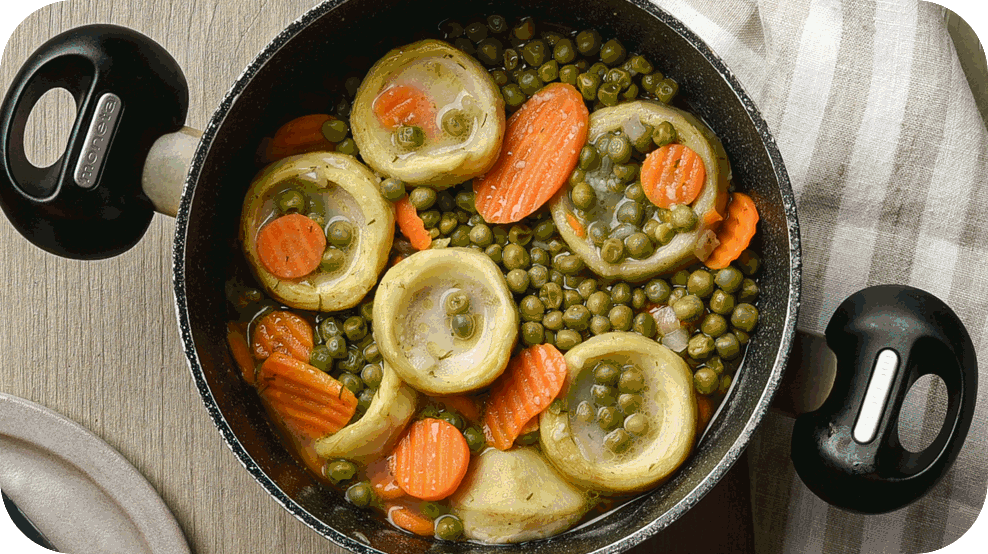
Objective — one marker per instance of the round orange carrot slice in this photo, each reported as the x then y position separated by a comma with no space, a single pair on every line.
405,105
431,459
283,332
673,174
291,246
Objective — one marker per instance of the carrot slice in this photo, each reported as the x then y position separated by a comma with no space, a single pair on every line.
383,481
309,402
673,174
735,232
410,520
406,105
431,459
575,224
532,381
291,246
541,147
298,136
530,427
464,405
411,224
236,337
283,332
706,405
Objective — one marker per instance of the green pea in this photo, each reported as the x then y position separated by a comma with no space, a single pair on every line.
749,262
608,94
355,328
608,417
455,123
603,395
715,363
638,245
497,24
700,283
630,402
714,325
636,424
657,291
366,309
530,82
599,303
568,264
640,65
621,293
651,81
589,160
556,277
617,441
448,223
365,399
588,42
644,324
638,299
549,71
320,358
632,380
727,346
666,90
577,317
705,381
335,130
612,52
545,229
430,219
587,287
338,471
532,333
725,384
665,133
332,259
584,412
749,291
700,346
636,194
352,382
599,69
539,257
433,510
553,320
551,296
489,51
372,375
567,338
577,177
462,325
515,257
599,324
682,217
688,308
598,233
729,279
531,308
476,440
606,373
511,59
675,295
422,198
513,95
612,250
625,173
630,212
494,252
520,234
349,147
568,74
538,276
409,136
571,298
744,317
336,346
481,235
449,528
621,318
499,77
534,53
619,149
453,418
588,83
721,302
340,233
619,77
451,29
456,302
318,218
292,201
680,278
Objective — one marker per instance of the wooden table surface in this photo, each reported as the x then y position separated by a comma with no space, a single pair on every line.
98,341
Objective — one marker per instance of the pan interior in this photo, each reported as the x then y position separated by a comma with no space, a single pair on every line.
302,72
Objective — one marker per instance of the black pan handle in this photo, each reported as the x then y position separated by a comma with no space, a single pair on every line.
885,338
128,91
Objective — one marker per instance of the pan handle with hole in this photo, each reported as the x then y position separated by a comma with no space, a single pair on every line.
129,93
885,338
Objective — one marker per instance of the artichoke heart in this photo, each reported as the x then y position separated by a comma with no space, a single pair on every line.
515,496
632,118
438,346
577,449
342,189
379,429
428,114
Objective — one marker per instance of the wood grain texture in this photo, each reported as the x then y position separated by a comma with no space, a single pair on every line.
98,341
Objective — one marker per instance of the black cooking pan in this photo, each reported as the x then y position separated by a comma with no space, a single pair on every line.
82,201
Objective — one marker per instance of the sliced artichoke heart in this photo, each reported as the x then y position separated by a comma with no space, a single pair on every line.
417,334
576,448
630,118
463,140
379,429
515,496
342,188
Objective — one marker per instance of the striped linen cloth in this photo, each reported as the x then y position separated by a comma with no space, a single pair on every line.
888,158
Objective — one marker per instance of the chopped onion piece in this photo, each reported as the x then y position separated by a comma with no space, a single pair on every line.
705,245
676,340
666,320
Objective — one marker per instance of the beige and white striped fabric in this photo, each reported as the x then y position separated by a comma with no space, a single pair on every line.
888,157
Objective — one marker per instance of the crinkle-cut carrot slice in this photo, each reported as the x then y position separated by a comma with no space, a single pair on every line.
673,174
284,332
411,224
431,459
406,105
291,246
383,481
236,337
300,135
310,403
532,381
735,232
541,147
410,520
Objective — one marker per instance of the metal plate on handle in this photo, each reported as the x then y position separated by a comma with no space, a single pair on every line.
94,150
882,375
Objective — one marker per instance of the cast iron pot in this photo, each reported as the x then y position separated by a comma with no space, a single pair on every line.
132,100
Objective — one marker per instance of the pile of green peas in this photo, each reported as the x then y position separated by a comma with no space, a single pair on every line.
615,404
522,60
345,349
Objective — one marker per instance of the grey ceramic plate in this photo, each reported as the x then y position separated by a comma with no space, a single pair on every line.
80,492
